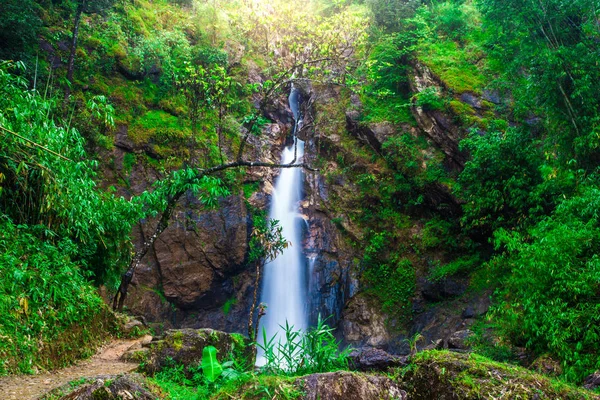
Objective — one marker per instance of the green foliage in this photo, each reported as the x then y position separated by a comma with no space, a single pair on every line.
19,26
462,265
549,301
498,193
300,353
429,99
392,15
450,19
545,51
456,66
40,187
267,240
43,294
392,282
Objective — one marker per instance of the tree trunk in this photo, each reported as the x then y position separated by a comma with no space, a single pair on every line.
71,62
126,278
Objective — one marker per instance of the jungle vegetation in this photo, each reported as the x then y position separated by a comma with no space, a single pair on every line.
519,217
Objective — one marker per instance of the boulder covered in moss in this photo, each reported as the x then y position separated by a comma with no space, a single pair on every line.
448,375
107,387
184,346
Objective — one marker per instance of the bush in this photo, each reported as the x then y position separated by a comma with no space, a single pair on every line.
550,300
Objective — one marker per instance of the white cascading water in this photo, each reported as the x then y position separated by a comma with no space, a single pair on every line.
284,279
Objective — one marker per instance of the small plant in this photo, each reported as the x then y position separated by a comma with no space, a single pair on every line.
210,366
316,350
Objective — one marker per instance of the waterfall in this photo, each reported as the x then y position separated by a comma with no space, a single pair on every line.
284,279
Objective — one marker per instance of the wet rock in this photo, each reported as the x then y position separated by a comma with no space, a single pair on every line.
458,340
373,135
437,344
592,381
184,346
348,386
373,359
122,139
546,365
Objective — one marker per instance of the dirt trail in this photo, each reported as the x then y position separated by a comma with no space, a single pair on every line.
105,362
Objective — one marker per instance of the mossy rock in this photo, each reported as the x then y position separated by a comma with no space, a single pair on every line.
184,346
106,387
447,375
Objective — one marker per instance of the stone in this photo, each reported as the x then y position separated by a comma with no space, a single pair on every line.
469,312
349,386
184,346
592,381
458,339
131,324
546,365
107,387
471,100
373,359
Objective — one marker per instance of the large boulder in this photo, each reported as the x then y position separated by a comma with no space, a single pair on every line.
344,385
184,346
444,375
373,359
107,387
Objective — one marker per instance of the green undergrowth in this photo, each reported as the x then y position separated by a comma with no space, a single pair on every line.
249,386
51,314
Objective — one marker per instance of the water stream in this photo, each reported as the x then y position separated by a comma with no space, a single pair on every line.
284,279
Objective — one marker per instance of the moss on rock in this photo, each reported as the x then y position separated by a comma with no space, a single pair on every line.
447,375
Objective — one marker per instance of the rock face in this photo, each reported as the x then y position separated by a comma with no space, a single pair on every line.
363,324
193,267
348,386
184,346
438,127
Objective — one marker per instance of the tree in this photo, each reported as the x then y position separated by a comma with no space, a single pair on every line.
18,28
88,7
548,51
266,243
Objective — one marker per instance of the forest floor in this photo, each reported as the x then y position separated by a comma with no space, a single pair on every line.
107,361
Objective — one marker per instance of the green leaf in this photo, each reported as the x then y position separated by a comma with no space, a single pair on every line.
210,366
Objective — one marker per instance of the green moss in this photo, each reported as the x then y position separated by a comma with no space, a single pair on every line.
228,304
453,66
395,109
461,109
444,374
177,340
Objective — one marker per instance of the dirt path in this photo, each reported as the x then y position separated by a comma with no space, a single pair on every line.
105,362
